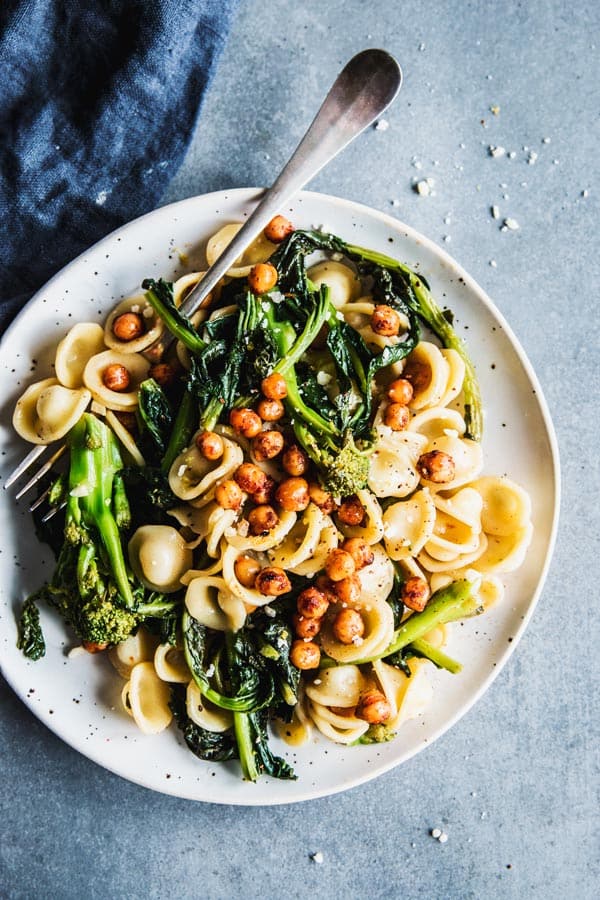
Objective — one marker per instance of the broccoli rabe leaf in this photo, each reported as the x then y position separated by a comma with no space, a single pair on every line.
31,638
155,412
208,745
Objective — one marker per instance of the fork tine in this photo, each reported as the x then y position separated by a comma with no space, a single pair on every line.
24,464
42,471
40,499
49,515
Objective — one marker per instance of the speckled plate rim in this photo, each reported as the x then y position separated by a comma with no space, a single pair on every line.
249,196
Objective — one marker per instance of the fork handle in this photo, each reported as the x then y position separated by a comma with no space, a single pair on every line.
362,91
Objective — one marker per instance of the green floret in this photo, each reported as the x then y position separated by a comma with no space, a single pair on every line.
344,471
103,622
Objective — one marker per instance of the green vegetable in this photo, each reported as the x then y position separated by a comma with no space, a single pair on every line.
155,412
435,655
209,745
31,638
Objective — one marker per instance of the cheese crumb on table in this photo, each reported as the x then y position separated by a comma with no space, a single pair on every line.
317,857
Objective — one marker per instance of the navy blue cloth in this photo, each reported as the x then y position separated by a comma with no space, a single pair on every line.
98,101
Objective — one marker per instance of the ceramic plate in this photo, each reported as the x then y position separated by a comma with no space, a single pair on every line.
79,698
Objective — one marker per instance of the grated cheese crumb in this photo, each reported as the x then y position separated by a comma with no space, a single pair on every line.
181,471
317,857
436,833
511,224
443,837
496,151
382,125
269,611
495,212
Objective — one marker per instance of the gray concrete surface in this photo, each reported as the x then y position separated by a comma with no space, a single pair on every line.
514,784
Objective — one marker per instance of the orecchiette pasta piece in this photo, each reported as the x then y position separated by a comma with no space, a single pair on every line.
202,602
459,562
341,280
262,543
456,376
159,556
122,401
339,686
437,637
125,437
298,731
192,475
467,456
301,542
48,410
506,506
408,525
210,522
184,284
204,713
486,587
233,608
147,698
376,580
170,664
358,315
328,541
378,620
341,729
505,553
213,569
371,530
151,323
452,537
435,421
137,648
408,697
433,375
81,342
465,506
259,250
247,594
392,470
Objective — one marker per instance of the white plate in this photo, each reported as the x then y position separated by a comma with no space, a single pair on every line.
79,698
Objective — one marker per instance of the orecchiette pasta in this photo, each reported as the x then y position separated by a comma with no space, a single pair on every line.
47,411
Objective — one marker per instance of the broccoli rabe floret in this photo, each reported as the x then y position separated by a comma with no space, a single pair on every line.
344,473
102,622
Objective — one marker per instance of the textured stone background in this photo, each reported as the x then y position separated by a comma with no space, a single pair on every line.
514,784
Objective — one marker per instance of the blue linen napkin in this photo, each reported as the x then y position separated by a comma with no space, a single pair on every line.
98,101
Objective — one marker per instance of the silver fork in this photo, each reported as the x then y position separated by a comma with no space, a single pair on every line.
362,91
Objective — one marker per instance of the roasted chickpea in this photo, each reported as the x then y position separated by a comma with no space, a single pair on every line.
305,627
348,589
246,569
210,445
250,478
163,374
274,386
262,277
418,374
116,377
94,646
245,421
373,707
294,460
266,494
415,593
262,519
323,584
292,494
278,229
128,326
267,445
385,321
339,564
360,552
270,410
320,497
351,511
400,391
396,416
305,655
272,581
436,466
312,603
348,626
228,495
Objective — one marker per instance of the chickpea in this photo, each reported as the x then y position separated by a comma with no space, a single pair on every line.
312,603
346,711
128,326
348,590
292,494
245,421
385,321
267,445
436,466
262,519
305,655
228,495
262,277
250,478
396,416
294,460
266,494
305,627
278,229
274,386
418,374
270,410
324,585
320,497
360,552
246,568
116,377
415,593
210,445
373,707
351,511
272,581
348,626
163,374
400,391
94,646
339,564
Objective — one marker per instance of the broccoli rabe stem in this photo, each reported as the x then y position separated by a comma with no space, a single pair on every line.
243,736
436,656
183,428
